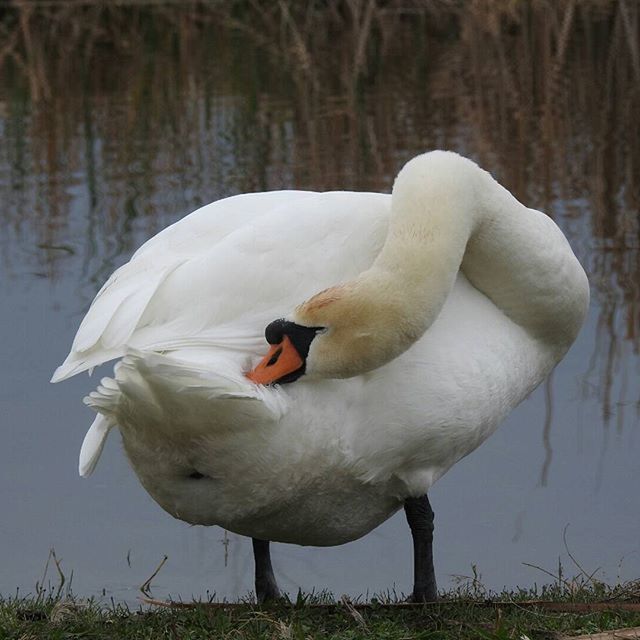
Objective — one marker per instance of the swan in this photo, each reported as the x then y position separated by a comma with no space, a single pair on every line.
400,331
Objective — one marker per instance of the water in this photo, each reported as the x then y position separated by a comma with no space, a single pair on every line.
107,141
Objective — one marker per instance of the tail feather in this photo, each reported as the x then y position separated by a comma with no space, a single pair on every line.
201,394
165,394
93,444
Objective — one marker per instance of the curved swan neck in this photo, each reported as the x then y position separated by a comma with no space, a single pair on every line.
434,212
448,215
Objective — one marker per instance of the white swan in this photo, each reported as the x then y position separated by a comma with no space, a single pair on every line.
441,307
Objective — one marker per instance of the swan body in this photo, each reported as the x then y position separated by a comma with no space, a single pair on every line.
439,309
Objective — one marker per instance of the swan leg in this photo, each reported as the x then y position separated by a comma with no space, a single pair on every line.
420,518
266,586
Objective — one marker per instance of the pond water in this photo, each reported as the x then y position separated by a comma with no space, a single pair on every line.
105,140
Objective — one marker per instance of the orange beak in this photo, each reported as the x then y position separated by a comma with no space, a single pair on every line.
281,360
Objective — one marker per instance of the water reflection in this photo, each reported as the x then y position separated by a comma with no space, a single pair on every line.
118,120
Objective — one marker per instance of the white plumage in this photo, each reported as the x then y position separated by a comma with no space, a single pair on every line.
323,461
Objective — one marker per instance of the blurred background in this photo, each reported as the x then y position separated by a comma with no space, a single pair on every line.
117,118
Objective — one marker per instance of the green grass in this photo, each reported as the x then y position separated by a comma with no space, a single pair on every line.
465,613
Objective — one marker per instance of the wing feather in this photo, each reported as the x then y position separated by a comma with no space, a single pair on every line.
217,277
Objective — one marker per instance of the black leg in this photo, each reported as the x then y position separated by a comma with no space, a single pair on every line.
420,518
266,587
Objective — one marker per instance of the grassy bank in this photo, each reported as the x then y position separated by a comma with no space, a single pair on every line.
554,612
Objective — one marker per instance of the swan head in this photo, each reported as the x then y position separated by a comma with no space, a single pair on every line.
338,333
286,360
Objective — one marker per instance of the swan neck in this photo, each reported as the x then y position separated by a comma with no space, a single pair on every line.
434,212
449,215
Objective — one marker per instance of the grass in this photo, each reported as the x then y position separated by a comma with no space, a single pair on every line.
467,612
